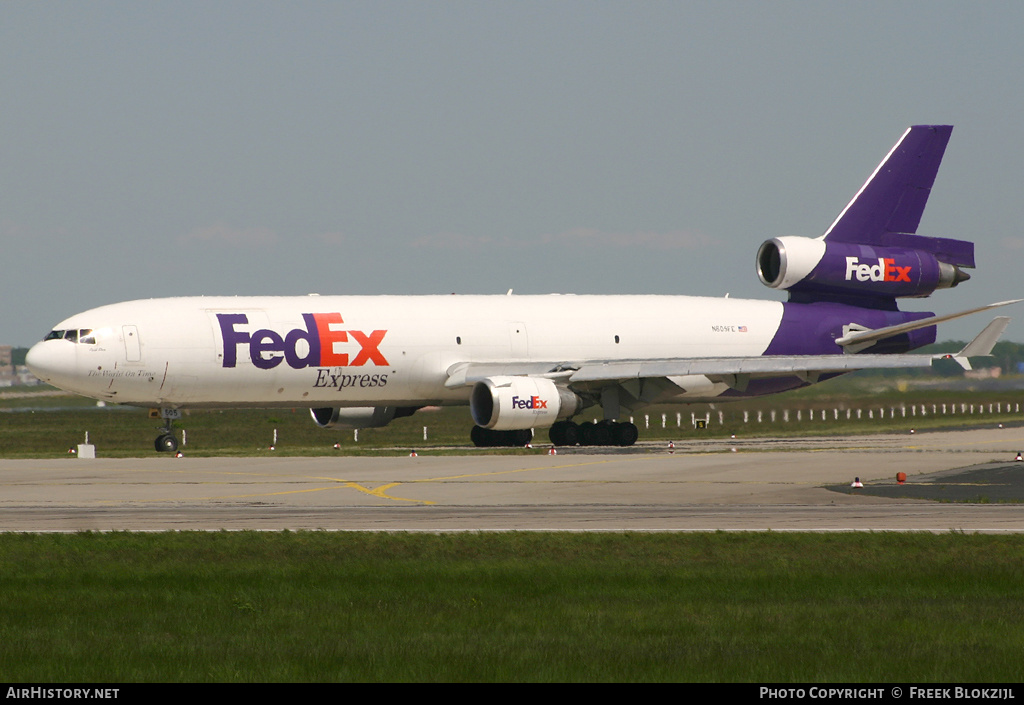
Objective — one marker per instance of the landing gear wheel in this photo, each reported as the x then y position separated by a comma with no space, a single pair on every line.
626,434
564,433
479,436
488,438
166,443
602,433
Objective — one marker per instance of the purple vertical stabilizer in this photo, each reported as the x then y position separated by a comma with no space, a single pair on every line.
888,208
872,254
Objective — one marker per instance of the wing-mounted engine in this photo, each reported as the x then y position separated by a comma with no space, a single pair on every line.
818,269
346,419
516,403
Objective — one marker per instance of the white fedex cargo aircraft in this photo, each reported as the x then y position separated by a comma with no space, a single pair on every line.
526,362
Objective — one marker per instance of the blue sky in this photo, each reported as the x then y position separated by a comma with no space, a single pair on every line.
179,148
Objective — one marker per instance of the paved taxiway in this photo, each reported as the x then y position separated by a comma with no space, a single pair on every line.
704,485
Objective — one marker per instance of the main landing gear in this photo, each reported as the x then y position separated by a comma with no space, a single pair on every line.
487,438
602,433
562,433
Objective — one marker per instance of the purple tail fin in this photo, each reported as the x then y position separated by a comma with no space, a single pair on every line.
888,208
872,254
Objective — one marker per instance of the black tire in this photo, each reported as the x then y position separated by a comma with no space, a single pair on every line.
480,437
603,433
166,443
489,438
564,433
626,434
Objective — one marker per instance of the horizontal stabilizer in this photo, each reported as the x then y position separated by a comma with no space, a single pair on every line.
860,339
983,343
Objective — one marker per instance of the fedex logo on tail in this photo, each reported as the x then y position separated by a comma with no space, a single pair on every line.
533,402
885,271
312,346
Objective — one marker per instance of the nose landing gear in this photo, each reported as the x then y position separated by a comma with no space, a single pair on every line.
166,441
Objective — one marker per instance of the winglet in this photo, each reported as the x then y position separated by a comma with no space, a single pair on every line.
982,343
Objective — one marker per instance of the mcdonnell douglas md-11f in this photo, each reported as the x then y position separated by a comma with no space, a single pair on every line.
528,362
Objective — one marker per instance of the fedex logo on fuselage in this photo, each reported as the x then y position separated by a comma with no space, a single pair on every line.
312,346
885,271
533,402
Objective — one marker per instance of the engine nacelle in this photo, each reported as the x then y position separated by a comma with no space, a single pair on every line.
816,266
516,403
358,416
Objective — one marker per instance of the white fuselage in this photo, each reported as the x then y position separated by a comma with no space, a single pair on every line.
375,350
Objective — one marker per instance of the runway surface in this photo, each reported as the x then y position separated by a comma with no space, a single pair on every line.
752,485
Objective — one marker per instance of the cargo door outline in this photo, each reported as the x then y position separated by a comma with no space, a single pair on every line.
519,340
132,345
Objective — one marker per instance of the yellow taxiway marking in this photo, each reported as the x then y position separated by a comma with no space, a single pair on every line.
335,483
530,469
495,473
381,491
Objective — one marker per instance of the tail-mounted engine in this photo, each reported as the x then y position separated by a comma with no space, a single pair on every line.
516,403
819,268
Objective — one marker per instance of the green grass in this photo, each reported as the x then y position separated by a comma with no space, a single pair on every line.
317,606
47,426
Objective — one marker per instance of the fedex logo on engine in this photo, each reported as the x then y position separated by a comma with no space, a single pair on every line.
885,271
312,346
533,402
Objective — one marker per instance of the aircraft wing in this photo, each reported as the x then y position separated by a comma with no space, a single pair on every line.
767,366
736,372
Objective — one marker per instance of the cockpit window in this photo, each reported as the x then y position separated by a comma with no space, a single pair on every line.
83,335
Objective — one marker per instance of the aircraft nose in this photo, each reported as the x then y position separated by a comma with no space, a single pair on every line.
52,361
